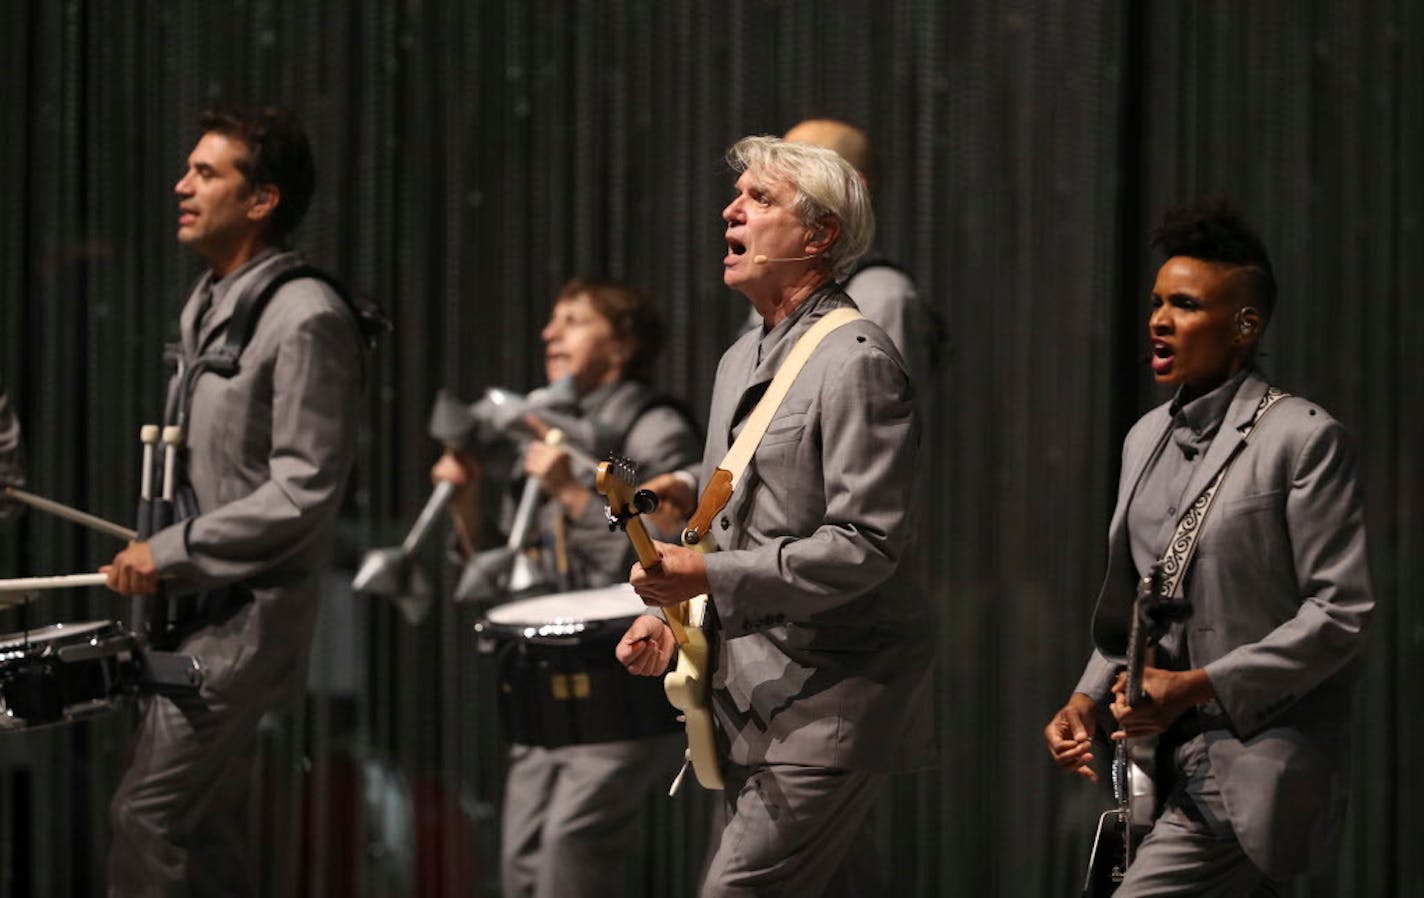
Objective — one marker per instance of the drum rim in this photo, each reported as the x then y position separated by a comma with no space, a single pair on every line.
48,633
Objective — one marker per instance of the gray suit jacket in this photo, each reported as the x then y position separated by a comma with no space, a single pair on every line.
823,656
1280,593
268,453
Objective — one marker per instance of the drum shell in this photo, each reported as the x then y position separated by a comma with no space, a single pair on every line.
52,675
572,691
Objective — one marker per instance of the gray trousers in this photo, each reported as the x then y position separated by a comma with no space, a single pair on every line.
1192,849
180,812
569,812
795,831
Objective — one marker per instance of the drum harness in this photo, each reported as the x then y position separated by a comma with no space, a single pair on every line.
164,623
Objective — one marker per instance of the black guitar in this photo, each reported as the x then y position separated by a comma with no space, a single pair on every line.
1120,829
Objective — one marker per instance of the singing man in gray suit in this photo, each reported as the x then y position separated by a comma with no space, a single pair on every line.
821,672
1251,694
268,451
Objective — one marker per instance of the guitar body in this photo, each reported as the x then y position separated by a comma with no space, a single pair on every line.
687,686
1139,781
1121,829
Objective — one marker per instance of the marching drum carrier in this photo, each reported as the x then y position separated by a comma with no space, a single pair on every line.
559,682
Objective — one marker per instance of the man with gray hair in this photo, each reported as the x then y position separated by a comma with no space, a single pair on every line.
882,291
821,663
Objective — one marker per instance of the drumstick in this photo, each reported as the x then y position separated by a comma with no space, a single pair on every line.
148,438
60,510
22,589
61,581
163,513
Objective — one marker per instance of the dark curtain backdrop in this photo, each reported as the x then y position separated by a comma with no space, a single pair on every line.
473,156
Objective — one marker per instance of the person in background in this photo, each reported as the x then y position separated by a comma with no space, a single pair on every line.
569,810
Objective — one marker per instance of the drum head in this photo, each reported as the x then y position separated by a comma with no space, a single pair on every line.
567,613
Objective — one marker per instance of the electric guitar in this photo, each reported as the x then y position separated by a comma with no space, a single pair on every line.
1132,766
687,684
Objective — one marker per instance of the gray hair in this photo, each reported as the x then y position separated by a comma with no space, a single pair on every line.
825,185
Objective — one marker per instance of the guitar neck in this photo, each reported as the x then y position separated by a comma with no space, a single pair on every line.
1136,657
1139,639
648,555
652,562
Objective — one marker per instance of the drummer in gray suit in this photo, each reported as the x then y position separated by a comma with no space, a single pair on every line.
12,469
821,679
268,450
1251,695
569,810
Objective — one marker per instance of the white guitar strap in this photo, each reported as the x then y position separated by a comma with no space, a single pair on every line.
1183,545
744,447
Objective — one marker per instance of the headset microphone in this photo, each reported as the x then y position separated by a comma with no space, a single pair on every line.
762,260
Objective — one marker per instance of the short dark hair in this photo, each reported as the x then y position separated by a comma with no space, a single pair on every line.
632,313
278,154
1212,229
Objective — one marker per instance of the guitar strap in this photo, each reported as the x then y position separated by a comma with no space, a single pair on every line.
1183,545
729,473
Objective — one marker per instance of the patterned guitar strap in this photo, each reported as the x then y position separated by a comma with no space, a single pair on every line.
1183,545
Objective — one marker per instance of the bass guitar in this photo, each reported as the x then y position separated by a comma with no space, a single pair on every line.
1121,829
687,684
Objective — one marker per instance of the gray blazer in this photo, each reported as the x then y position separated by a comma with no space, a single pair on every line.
268,451
823,656
1280,593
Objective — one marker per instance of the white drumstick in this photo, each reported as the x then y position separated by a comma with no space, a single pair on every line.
21,589
59,510
63,581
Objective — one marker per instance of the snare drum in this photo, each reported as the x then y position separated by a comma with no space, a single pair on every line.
63,672
559,682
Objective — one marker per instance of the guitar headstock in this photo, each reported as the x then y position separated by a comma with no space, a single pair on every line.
617,482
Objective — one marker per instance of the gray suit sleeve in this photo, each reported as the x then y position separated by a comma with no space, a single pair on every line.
1097,677
315,386
869,444
1324,518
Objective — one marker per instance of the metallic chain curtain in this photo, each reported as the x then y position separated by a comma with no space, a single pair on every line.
472,156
